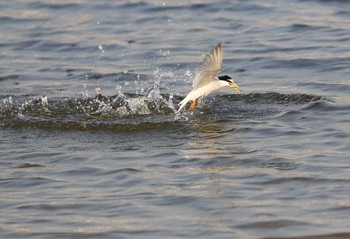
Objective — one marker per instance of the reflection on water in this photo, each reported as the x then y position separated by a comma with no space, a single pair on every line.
213,140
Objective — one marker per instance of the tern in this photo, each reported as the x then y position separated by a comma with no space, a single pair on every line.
206,80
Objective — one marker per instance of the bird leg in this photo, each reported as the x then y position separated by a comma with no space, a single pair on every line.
193,104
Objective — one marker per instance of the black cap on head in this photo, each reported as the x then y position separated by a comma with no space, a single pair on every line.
225,78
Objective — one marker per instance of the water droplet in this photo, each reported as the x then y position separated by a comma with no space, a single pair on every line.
101,48
98,90
188,73
84,92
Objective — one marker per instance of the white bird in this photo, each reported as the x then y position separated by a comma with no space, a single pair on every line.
206,80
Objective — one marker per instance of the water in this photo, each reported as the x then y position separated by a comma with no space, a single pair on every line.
91,145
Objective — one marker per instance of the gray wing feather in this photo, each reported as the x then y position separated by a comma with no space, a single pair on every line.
209,68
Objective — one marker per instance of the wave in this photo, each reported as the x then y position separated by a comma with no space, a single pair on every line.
134,112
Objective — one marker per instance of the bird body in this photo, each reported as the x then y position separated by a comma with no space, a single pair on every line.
206,80
202,92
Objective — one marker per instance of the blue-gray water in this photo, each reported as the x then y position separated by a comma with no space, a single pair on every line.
91,147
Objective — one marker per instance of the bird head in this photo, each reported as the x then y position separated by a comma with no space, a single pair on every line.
230,82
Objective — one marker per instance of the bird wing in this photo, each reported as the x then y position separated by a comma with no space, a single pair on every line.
209,68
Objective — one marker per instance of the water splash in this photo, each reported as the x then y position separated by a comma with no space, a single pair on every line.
44,103
9,109
8,101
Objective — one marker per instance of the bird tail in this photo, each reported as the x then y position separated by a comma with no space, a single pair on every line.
183,103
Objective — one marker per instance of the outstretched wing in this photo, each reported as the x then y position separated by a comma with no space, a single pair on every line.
209,68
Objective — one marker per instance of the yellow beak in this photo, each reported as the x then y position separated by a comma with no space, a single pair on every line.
235,86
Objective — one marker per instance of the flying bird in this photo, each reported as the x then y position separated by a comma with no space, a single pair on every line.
206,79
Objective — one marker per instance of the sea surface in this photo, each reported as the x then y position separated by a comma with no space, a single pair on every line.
91,145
